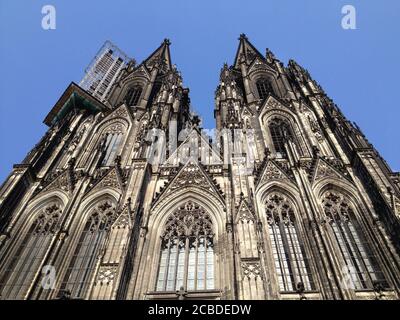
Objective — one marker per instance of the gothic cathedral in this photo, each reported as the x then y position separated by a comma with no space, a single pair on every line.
126,197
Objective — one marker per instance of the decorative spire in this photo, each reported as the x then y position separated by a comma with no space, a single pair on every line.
246,52
269,55
160,57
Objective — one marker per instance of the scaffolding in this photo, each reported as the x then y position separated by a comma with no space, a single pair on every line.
103,70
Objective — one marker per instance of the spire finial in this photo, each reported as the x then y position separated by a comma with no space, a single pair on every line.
243,36
167,41
269,55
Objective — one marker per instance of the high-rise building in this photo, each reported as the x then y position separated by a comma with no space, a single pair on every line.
103,70
126,198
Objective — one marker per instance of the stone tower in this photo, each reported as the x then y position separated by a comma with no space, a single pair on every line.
128,198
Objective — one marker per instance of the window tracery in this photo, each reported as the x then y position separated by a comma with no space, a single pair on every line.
280,131
291,264
133,95
187,251
110,143
264,88
18,275
83,263
361,263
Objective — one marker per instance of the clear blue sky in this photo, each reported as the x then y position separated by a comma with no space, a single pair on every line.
359,68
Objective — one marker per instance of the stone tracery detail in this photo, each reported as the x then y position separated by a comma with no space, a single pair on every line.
291,263
187,250
362,270
188,220
280,132
16,277
77,279
190,175
251,270
110,143
48,221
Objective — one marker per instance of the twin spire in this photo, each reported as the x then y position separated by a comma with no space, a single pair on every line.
161,58
245,52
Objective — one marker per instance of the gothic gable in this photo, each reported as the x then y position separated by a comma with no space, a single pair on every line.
273,103
109,179
260,65
190,175
246,112
244,212
120,112
61,182
272,171
124,219
140,72
325,170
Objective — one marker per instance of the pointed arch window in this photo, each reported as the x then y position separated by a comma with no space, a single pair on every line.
187,251
291,264
110,144
77,279
280,131
133,95
263,88
361,263
19,274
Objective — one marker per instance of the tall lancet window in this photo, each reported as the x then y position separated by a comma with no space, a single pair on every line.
110,144
291,264
361,266
78,277
187,251
18,275
263,87
133,95
280,132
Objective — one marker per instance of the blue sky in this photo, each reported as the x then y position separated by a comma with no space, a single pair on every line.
359,69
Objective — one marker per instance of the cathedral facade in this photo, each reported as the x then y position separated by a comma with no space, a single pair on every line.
126,197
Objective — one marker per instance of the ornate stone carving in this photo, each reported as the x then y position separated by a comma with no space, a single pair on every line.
191,175
106,274
108,180
47,221
116,128
306,165
251,269
102,216
100,238
245,214
272,172
336,207
273,104
278,209
315,128
324,170
55,181
123,220
121,112
189,220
